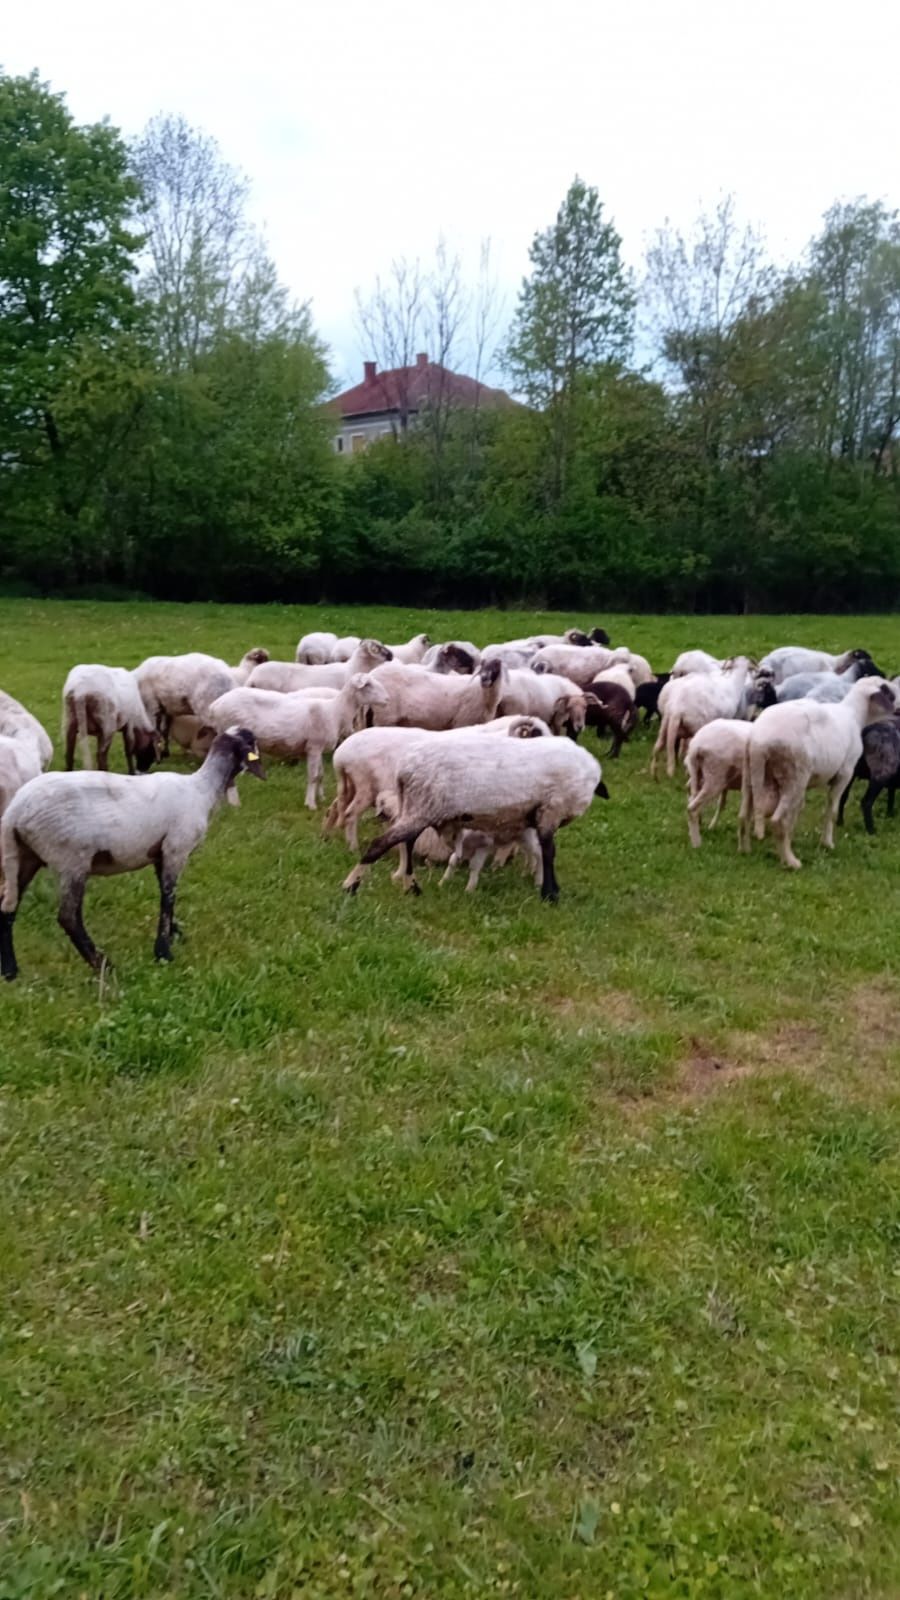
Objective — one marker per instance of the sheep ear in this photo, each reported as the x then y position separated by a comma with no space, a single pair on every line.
232,796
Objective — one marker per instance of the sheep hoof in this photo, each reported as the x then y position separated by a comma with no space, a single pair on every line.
161,951
412,887
10,977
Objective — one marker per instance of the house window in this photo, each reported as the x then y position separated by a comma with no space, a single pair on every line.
357,442
340,446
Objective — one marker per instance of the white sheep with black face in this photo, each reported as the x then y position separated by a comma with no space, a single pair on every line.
790,658
90,824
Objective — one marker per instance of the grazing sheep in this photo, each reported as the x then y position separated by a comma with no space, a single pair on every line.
316,649
611,709
295,725
789,658
365,766
619,673
186,685
16,721
457,655
557,701
827,686
715,766
581,663
193,734
878,766
344,648
98,703
694,661
646,696
284,677
85,824
805,744
687,703
419,698
20,761
413,651
499,786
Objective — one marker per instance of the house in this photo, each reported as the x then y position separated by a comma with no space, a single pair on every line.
387,403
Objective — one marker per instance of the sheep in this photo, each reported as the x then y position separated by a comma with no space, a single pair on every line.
20,761
193,734
611,709
343,650
284,677
475,847
879,766
619,673
419,698
185,685
715,766
315,649
457,655
500,786
646,696
556,700
829,687
789,658
695,661
413,651
687,703
581,663
16,722
99,702
86,824
365,766
799,745
293,725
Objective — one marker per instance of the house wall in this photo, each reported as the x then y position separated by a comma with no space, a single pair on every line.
357,433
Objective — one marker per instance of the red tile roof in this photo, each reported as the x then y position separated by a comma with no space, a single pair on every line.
410,387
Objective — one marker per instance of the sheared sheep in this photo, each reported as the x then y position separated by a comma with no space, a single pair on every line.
315,649
687,703
790,658
715,766
284,677
98,703
419,698
15,720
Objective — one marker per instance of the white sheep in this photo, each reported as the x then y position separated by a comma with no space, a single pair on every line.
284,677
88,824
16,721
695,661
343,650
581,663
365,766
419,698
686,704
315,649
20,761
556,700
790,658
619,673
500,786
98,703
295,725
800,745
715,767
413,651
186,685
456,655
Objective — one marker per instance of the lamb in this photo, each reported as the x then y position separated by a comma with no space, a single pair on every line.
556,700
294,725
686,704
365,766
789,658
476,847
99,702
694,661
84,824
619,674
283,677
418,698
646,696
315,649
715,766
16,722
186,685
879,766
499,786
20,761
802,744
610,709
457,655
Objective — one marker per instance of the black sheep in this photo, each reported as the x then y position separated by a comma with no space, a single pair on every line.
646,697
610,709
879,765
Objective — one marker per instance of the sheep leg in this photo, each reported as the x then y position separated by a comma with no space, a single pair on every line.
475,866
128,742
868,801
549,885
104,741
313,778
71,920
71,741
20,864
784,821
695,805
720,807
167,925
843,802
832,801
402,833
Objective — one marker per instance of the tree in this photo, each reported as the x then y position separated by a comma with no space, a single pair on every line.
67,304
574,313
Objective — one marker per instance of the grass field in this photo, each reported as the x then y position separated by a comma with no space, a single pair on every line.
456,1246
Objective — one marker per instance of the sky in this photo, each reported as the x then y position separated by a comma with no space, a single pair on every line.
369,130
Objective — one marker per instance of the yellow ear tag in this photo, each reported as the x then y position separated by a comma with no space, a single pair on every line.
252,755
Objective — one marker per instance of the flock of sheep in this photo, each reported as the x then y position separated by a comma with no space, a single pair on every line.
457,748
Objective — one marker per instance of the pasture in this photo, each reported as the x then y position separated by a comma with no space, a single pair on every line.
460,1245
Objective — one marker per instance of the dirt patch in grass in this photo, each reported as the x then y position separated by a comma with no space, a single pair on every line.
873,1014
605,1008
706,1069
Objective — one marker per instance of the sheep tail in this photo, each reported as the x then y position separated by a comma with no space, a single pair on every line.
758,788
84,742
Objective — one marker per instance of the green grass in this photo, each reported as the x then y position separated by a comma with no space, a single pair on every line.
456,1246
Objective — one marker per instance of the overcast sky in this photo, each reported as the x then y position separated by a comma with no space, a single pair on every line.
367,129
